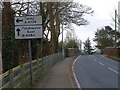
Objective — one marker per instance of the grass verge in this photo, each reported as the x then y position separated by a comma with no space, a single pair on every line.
116,57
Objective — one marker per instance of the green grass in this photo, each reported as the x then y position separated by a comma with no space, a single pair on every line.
116,57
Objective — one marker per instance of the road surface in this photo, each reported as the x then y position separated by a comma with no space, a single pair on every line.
96,71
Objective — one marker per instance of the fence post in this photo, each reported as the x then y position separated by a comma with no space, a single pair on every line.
11,78
37,69
21,75
42,66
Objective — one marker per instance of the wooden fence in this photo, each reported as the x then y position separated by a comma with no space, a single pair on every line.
19,77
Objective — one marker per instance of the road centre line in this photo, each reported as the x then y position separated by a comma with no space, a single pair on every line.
113,70
95,60
101,63
107,67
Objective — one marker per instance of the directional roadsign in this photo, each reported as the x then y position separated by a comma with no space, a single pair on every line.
28,32
28,27
28,20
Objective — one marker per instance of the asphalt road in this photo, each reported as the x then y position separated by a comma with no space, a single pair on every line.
96,71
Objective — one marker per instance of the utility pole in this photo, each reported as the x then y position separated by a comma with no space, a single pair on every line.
62,42
115,26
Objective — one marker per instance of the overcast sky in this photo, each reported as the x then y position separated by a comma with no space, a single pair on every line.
103,13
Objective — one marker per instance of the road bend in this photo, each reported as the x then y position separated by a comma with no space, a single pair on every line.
96,71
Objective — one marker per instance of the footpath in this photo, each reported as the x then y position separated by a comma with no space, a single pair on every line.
60,76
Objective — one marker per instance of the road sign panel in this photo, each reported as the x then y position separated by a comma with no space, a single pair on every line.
28,32
28,20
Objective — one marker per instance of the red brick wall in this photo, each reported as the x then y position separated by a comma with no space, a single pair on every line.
70,52
110,51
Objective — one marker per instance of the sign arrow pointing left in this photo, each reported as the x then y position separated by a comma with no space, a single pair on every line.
18,20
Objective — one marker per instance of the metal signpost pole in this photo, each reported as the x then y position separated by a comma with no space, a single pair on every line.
0,45
30,60
30,53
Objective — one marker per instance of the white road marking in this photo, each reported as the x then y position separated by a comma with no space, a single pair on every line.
95,60
113,70
75,74
76,80
101,63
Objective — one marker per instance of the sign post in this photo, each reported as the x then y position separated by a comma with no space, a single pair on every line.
28,27
0,46
30,59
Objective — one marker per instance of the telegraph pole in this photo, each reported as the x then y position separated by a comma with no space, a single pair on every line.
115,26
62,42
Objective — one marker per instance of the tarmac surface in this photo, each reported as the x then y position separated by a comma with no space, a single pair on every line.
97,71
60,76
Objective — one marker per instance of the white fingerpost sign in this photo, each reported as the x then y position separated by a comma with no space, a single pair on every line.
28,27
28,20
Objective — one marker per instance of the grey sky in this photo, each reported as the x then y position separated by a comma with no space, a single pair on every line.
103,13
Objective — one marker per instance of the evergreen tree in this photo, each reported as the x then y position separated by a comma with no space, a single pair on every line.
88,48
105,37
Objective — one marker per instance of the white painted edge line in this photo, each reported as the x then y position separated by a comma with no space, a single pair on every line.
74,73
113,70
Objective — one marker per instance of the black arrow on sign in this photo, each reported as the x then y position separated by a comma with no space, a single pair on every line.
18,31
18,20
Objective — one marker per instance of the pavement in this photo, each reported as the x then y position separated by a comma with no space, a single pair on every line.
60,76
